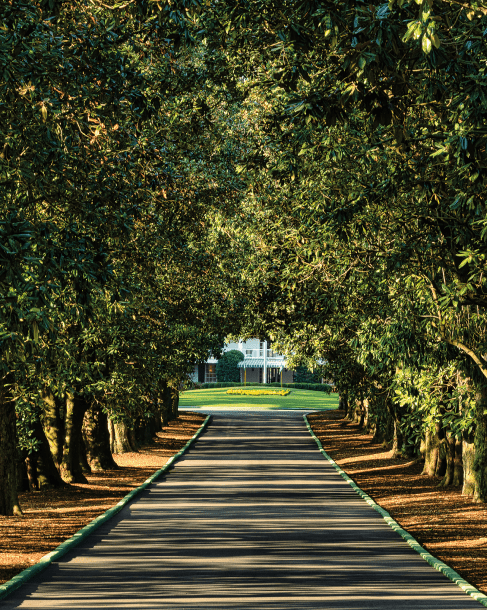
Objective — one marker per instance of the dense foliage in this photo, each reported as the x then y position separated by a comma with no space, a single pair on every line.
227,366
312,172
114,197
365,178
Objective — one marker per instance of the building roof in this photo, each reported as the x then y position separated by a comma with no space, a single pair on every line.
258,363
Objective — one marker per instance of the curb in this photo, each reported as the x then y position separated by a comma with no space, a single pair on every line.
413,543
17,581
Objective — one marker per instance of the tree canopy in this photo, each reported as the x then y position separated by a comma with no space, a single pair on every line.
312,172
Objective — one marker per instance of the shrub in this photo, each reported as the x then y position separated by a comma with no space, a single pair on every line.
317,387
227,369
304,375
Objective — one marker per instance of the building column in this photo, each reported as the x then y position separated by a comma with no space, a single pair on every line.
264,376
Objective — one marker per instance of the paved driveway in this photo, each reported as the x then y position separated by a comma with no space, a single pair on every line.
252,518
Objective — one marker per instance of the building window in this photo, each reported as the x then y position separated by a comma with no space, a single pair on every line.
210,373
249,352
261,348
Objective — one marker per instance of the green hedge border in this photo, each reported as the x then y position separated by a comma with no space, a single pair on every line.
316,387
413,543
17,581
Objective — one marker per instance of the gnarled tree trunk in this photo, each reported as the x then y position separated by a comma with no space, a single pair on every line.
71,470
434,456
9,501
97,439
120,438
48,476
53,425
454,467
480,443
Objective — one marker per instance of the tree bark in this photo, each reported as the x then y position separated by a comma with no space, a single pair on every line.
71,471
442,451
97,439
120,438
398,440
166,403
458,464
31,465
9,501
145,430
468,455
175,403
83,458
480,442
454,469
431,451
53,425
48,476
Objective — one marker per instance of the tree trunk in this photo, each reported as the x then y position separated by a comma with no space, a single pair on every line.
47,473
480,442
53,425
157,418
442,451
83,458
22,478
383,425
97,439
398,440
175,403
71,471
451,470
31,465
120,441
145,430
458,464
431,451
468,454
166,403
9,502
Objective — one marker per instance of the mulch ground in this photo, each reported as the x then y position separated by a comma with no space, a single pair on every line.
449,525
50,517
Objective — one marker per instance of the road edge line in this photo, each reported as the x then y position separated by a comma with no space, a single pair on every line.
17,581
393,524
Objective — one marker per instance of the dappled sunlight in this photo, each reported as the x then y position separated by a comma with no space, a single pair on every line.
252,517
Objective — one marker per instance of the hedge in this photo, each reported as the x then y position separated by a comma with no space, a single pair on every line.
258,392
317,387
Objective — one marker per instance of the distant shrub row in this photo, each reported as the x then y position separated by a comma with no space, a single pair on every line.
317,387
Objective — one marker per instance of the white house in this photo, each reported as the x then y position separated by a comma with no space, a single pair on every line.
257,359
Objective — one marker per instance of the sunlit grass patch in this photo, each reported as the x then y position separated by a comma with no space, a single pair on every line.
299,399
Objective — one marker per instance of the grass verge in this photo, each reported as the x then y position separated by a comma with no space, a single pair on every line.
298,399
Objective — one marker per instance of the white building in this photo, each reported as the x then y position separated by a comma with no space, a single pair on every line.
257,359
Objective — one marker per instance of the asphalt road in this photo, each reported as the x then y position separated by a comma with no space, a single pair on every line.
251,518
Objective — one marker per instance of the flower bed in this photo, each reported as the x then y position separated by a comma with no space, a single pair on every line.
259,392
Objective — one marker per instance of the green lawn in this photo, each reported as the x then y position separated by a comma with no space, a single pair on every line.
298,399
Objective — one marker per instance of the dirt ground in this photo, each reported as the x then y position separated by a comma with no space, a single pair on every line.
450,526
50,517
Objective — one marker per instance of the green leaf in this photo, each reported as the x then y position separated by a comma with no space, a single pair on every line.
426,44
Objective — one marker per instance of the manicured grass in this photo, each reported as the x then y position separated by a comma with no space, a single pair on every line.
298,399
